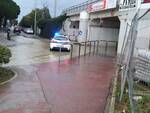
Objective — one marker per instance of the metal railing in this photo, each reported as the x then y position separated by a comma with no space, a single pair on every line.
89,44
78,8
85,44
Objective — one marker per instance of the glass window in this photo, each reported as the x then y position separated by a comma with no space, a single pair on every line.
61,38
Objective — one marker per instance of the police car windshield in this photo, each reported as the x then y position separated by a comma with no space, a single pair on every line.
61,38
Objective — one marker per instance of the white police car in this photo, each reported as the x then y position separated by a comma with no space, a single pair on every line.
60,41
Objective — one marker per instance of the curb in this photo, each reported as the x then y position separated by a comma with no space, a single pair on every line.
112,98
5,82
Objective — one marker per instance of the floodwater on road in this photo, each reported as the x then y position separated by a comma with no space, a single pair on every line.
28,51
31,51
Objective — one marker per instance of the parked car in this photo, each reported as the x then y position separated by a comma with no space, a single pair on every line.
60,41
17,30
28,30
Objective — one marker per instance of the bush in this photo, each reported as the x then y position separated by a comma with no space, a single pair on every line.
5,55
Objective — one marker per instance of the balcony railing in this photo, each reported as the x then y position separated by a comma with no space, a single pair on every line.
123,4
78,8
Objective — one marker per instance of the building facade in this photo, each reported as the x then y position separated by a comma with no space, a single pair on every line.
108,20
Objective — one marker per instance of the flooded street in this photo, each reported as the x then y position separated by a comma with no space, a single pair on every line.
32,51
28,51
44,85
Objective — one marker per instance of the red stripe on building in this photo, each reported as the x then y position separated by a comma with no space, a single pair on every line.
104,1
146,1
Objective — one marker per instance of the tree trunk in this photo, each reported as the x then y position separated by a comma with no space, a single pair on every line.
5,22
0,22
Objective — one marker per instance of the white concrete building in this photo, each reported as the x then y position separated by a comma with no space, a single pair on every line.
108,20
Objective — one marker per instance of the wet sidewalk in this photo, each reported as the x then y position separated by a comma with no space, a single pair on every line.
77,86
4,41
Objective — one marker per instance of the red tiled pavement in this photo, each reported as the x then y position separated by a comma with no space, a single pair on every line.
78,86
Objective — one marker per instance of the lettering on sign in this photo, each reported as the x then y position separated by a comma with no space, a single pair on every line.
127,4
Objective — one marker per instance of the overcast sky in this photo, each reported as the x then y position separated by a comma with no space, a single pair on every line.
27,5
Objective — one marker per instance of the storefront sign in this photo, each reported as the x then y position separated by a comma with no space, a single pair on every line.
102,5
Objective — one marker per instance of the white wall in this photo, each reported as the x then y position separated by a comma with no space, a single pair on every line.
143,37
66,26
100,33
122,34
71,32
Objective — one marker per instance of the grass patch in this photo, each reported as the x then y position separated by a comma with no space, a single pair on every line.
142,105
124,104
5,74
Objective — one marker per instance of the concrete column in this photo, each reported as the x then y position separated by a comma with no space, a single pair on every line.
123,25
83,26
142,41
89,31
125,19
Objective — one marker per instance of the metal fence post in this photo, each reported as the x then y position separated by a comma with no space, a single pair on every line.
97,46
90,48
85,48
79,49
94,48
106,46
71,51
116,46
59,54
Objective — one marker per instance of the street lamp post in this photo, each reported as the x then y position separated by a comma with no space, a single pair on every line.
55,8
35,19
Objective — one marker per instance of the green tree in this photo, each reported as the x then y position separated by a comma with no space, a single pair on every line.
9,10
28,20
50,26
